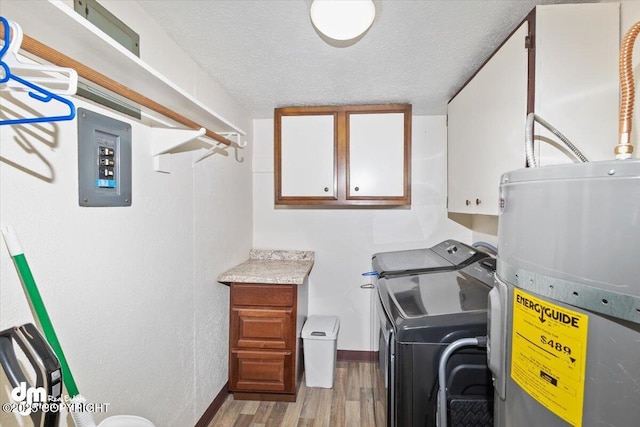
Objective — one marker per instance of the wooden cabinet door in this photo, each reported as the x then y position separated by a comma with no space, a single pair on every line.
486,129
262,328
262,371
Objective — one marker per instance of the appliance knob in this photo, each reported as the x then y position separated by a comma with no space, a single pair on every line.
326,189
467,202
478,201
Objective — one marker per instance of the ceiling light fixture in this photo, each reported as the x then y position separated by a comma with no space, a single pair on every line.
342,19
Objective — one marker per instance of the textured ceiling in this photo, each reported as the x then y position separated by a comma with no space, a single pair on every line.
266,53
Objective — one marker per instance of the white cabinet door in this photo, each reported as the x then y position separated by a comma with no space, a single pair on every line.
577,90
376,155
486,129
308,156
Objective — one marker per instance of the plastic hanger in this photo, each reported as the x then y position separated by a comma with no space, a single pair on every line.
9,63
63,81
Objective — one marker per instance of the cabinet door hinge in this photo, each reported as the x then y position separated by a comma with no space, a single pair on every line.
528,42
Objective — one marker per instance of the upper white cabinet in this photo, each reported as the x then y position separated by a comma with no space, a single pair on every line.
343,155
560,63
486,128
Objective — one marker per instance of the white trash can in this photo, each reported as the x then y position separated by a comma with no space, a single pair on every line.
320,335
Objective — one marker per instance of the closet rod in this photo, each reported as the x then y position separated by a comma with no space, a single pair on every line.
53,56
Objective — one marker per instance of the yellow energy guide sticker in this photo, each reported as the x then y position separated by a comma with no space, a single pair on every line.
549,354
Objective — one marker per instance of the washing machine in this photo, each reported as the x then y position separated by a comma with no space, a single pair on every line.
420,315
447,255
564,328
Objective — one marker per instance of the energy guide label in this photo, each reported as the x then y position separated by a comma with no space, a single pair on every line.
548,354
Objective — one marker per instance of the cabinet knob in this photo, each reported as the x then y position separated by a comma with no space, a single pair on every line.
357,188
467,202
478,201
326,189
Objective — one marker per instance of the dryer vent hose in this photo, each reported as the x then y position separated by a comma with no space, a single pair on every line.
624,148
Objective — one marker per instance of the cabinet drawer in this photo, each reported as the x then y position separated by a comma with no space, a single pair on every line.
270,371
262,295
262,328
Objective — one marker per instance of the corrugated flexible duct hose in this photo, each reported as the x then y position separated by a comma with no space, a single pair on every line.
624,148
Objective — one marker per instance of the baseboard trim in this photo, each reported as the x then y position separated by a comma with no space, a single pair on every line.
212,410
357,356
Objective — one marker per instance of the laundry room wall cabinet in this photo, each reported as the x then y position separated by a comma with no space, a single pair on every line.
343,155
560,63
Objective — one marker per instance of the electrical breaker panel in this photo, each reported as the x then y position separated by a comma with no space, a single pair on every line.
104,160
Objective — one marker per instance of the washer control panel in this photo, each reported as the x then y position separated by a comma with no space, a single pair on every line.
457,253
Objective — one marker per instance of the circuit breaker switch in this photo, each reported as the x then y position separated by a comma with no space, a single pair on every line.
106,151
107,162
106,172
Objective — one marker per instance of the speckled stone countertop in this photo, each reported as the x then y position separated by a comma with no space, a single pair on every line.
272,267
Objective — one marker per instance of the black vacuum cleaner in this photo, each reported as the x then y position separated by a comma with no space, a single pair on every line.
46,366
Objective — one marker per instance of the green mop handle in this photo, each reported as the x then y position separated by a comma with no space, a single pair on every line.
16,252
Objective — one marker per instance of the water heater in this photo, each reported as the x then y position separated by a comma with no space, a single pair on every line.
564,344
564,315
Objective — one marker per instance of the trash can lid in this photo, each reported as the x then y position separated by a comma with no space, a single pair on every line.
321,327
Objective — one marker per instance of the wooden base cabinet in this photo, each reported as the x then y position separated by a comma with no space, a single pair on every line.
265,358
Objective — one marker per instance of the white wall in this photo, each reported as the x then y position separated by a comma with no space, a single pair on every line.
345,239
131,291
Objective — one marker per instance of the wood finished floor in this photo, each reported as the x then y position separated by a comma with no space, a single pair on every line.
348,404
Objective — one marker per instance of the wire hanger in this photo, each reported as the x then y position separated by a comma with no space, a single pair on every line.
9,63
